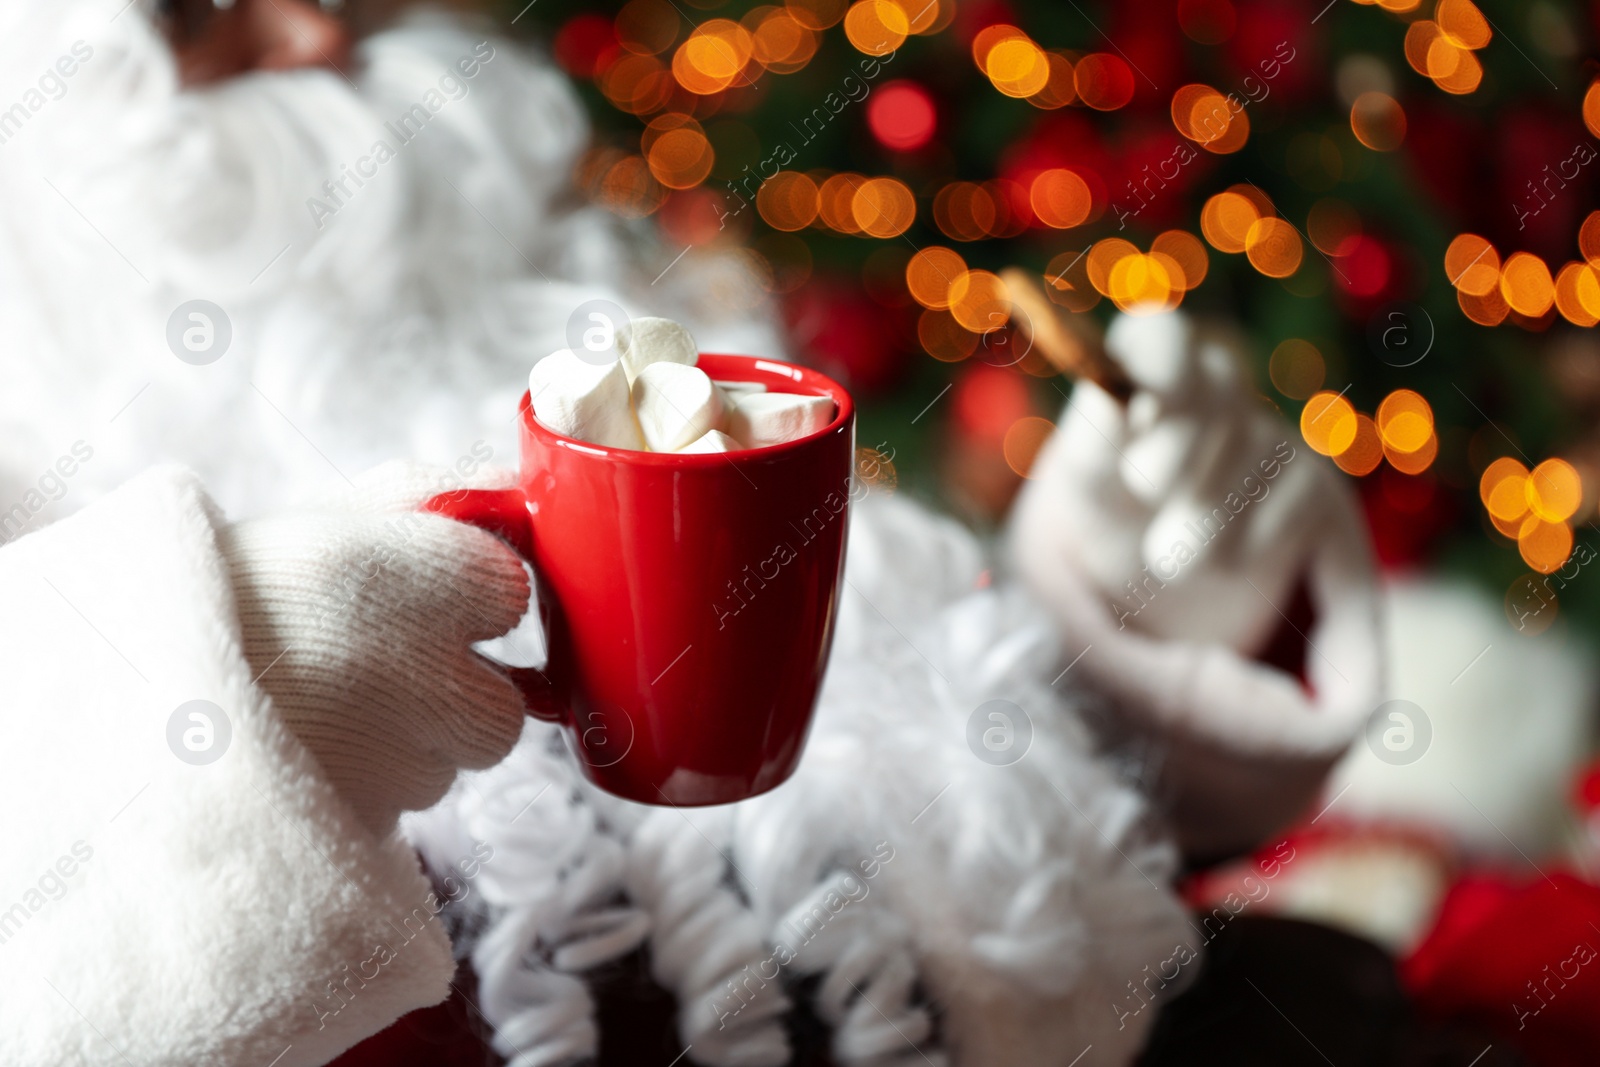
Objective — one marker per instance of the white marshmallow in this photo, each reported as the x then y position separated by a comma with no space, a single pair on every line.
580,400
645,341
761,419
675,404
712,441
732,391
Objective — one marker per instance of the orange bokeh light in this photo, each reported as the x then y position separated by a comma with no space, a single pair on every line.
1544,546
1578,294
930,274
779,41
836,202
1104,256
1526,285
1017,67
1060,199
678,151
1060,88
1415,461
1328,423
1273,247
1365,451
713,58
1142,282
1103,81
943,338
788,201
1378,121
647,27
1405,421
980,301
1226,219
884,207
876,27
1023,441
1472,264
1503,489
1187,252
1485,309
1554,490
1464,23
1066,281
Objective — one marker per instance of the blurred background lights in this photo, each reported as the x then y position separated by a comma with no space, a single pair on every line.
1554,490
1526,285
817,14
1226,219
788,201
648,27
1103,256
1472,264
1405,421
1365,450
979,301
836,202
883,207
1060,87
943,338
1533,507
1273,247
1206,117
876,27
678,151
1023,440
779,41
1296,369
1187,254
1328,423
1067,282
1103,81
930,274
1017,67
915,225
714,57
901,116
1378,121
1333,226
1060,198
1208,22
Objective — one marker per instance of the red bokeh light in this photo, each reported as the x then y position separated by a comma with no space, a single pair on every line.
1365,269
987,400
694,216
1207,21
902,116
585,45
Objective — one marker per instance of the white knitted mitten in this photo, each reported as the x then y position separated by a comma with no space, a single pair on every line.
358,620
1169,538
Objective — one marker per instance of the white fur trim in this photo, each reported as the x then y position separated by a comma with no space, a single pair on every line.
219,901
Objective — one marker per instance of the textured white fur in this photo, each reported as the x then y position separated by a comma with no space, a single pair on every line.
1510,716
405,326
1025,898
220,900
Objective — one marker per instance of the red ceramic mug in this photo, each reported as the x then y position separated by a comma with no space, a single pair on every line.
688,600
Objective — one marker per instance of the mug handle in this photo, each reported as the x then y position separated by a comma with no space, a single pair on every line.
504,513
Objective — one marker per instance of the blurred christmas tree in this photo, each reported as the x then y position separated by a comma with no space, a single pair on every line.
1392,200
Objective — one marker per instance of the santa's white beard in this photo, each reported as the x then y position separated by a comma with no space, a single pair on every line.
383,302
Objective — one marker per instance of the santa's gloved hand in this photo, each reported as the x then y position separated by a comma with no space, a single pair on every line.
1170,537
358,620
